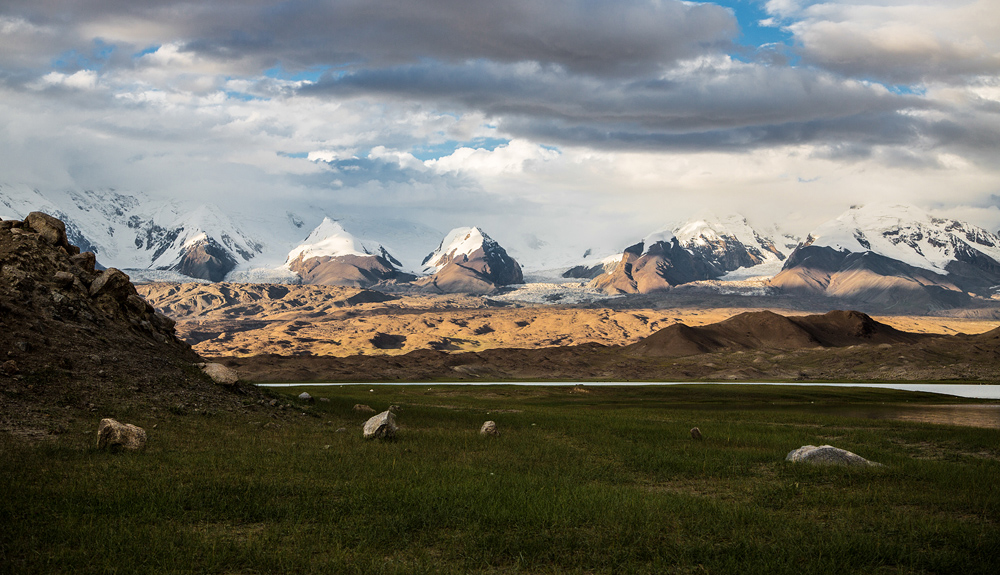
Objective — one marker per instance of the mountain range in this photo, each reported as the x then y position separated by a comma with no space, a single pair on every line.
881,254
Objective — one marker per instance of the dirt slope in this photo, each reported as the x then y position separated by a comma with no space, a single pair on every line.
80,342
765,330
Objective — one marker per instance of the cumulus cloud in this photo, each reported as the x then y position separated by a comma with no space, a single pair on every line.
513,157
899,41
82,80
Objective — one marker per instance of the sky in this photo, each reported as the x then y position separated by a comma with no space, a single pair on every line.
575,117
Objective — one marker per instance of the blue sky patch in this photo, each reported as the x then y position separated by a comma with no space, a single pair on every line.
435,151
311,74
74,60
749,14
146,51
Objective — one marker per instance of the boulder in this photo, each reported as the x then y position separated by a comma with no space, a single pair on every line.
86,261
489,428
50,229
827,455
64,279
114,436
381,426
696,434
219,373
362,408
111,281
304,396
9,367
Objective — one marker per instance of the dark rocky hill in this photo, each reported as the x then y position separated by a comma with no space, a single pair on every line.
78,341
770,331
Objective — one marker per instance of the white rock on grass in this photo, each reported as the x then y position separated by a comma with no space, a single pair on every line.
489,428
219,373
827,455
112,434
381,426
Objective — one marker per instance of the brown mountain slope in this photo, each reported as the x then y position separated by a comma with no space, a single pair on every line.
349,270
80,341
768,330
867,277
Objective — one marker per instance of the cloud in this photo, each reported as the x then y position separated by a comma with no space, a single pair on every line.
603,38
82,80
708,103
513,157
900,42
599,114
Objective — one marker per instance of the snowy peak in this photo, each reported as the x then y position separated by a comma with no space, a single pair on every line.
469,261
731,244
895,256
459,243
702,248
129,231
330,239
662,236
330,255
907,234
173,231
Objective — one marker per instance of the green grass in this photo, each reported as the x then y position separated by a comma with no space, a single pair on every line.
602,482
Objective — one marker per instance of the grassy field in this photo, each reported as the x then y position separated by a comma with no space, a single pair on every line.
595,480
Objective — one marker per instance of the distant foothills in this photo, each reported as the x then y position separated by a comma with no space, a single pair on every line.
879,254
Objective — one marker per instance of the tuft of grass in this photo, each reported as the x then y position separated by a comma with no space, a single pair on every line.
602,482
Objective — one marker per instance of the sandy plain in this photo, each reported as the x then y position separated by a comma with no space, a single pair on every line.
240,320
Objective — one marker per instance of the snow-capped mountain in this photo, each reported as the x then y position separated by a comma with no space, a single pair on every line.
468,260
131,232
330,239
703,248
332,256
883,253
907,234
730,244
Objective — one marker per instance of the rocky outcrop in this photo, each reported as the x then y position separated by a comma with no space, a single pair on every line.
828,455
469,261
112,435
86,333
658,266
381,426
50,229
